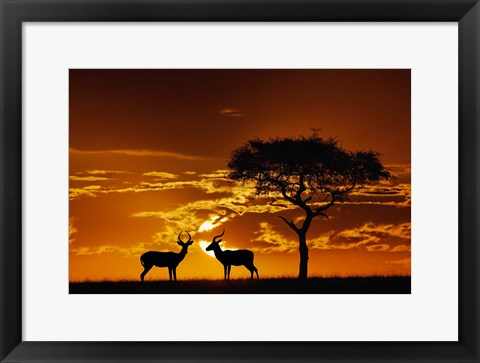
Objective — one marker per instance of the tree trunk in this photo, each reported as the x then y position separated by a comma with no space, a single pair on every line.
302,241
303,270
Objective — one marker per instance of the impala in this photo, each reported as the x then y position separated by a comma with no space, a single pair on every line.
165,259
229,258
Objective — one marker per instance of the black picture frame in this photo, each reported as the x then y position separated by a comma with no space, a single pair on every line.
14,12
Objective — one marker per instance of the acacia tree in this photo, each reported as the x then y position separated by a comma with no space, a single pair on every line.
312,173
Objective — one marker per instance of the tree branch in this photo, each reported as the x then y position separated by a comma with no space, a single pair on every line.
283,187
290,224
286,196
350,188
302,203
301,184
297,199
334,194
307,199
319,210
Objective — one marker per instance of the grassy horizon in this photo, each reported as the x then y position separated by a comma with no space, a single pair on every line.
267,277
313,285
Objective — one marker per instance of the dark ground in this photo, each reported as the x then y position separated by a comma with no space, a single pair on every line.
316,285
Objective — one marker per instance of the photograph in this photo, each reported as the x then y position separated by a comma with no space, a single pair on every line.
239,181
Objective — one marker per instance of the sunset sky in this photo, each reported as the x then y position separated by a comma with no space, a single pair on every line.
148,156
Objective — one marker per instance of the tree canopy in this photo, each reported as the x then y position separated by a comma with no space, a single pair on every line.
320,168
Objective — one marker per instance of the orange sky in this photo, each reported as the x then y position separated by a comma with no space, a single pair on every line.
148,154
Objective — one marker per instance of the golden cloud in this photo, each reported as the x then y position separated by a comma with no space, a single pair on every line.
402,231
88,178
217,174
377,248
92,187
71,231
401,248
372,237
405,262
232,112
75,193
386,193
103,172
269,240
133,251
161,175
134,152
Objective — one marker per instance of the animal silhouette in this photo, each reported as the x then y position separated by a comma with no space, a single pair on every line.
165,259
230,258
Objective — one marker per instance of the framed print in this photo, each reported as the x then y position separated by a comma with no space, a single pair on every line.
239,181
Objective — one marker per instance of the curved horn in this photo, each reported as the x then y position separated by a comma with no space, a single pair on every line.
220,235
179,236
189,237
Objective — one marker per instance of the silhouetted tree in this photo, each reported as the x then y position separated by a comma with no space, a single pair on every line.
312,173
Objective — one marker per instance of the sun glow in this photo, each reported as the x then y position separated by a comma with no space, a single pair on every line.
203,246
209,224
